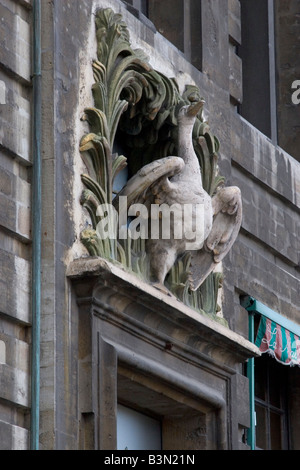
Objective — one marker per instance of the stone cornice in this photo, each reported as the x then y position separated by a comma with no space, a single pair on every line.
122,298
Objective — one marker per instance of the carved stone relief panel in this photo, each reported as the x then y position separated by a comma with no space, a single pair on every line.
171,159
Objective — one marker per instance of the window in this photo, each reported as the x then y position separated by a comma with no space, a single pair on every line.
257,53
139,5
169,25
137,431
153,416
271,404
287,34
179,21
270,58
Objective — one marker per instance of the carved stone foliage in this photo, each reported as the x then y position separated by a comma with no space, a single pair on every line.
138,106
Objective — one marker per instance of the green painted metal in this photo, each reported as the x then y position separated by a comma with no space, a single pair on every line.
253,305
36,228
251,377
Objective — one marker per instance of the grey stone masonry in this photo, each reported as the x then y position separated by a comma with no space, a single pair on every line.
15,221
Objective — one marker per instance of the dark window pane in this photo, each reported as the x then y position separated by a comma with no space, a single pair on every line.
261,427
288,70
168,18
140,5
275,431
260,380
196,34
275,385
144,7
271,404
254,51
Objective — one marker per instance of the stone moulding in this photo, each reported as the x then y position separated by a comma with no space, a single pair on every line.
135,338
137,105
102,275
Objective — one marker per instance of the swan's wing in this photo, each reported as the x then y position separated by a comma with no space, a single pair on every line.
227,207
136,187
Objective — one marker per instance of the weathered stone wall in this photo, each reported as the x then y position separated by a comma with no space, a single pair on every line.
66,26
15,222
266,256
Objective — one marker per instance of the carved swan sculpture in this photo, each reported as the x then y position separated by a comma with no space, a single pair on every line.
178,180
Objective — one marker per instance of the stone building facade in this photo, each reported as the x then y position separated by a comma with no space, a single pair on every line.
108,339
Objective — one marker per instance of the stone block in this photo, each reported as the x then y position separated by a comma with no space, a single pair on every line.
274,283
269,164
268,218
234,21
14,388
14,385
15,115
215,41
242,389
15,200
13,437
6,182
15,353
235,76
7,213
24,221
15,51
15,281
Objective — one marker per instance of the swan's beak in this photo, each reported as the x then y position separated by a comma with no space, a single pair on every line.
194,108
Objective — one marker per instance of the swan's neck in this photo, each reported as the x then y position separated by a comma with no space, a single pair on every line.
187,153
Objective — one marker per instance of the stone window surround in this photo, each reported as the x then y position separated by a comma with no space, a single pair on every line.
142,348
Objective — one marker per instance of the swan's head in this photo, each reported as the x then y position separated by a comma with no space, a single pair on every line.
187,114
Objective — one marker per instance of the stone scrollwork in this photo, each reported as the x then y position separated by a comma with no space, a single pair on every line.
140,107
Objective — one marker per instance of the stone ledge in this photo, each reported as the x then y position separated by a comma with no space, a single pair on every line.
13,437
116,276
14,386
269,164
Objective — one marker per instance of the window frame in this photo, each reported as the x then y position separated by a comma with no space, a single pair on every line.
192,32
265,123
268,365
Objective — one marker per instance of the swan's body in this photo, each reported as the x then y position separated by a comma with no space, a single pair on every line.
184,188
178,180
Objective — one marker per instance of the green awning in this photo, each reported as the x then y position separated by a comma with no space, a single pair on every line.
276,340
276,335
